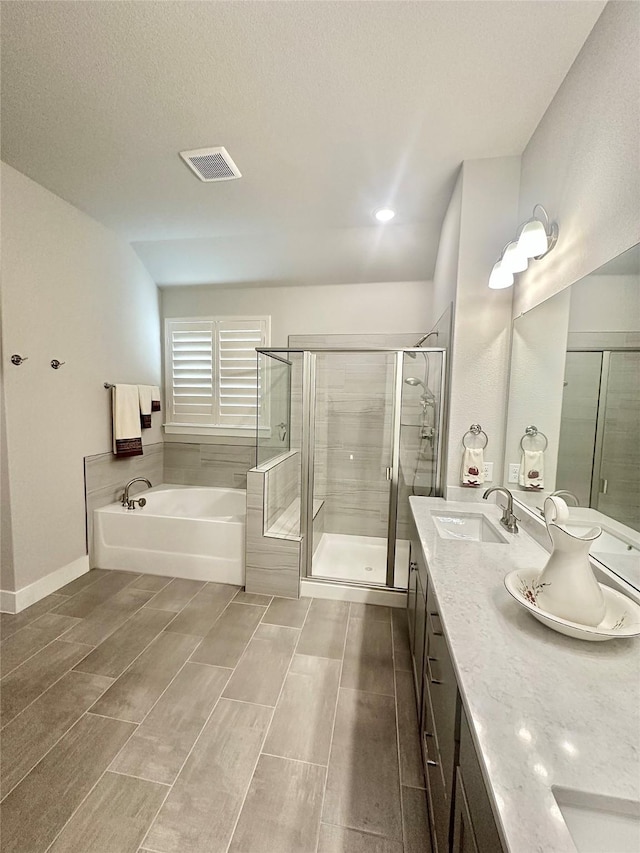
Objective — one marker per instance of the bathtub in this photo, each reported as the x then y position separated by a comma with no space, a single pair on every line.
183,531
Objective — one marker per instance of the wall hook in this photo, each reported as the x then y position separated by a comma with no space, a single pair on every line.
56,364
18,359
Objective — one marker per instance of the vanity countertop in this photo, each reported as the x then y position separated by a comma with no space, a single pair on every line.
544,709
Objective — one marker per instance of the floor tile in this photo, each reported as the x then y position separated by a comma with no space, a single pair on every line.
28,681
97,593
199,615
287,611
160,745
221,763
132,696
401,651
339,839
368,657
303,721
114,655
175,595
408,735
37,809
227,640
262,669
325,628
82,582
363,786
26,642
371,612
415,821
282,808
107,617
12,622
33,732
243,597
114,817
153,583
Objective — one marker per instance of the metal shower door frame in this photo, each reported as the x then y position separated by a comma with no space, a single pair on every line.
308,445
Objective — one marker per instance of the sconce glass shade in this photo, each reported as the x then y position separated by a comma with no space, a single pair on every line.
514,258
500,277
533,240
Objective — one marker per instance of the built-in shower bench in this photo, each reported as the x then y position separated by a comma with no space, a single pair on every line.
287,524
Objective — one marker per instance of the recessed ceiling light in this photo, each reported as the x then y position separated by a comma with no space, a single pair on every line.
385,214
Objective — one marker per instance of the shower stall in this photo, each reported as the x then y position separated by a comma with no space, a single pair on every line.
364,427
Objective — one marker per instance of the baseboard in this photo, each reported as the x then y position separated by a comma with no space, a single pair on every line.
14,602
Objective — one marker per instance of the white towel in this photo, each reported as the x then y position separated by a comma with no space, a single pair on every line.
155,398
144,393
531,475
127,437
472,467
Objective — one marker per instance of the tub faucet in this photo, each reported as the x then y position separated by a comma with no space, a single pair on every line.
508,520
130,503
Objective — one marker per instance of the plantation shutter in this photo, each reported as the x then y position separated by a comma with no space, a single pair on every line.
190,371
213,377
239,374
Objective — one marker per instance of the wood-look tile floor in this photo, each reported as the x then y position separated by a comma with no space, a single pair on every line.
159,715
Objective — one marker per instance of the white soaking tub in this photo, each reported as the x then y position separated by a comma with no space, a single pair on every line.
183,531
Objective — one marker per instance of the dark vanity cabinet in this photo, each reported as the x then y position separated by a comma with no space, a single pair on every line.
460,813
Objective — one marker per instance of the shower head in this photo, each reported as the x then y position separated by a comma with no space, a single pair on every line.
421,341
411,380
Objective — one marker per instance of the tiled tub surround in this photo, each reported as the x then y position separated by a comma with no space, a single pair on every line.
544,709
144,713
272,561
221,465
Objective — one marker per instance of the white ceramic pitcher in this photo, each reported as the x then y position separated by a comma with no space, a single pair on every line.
569,587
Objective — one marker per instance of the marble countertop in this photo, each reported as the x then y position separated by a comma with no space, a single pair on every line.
544,709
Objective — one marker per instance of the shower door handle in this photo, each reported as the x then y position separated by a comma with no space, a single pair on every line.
389,473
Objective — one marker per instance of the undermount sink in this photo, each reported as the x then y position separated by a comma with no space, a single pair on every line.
467,527
598,823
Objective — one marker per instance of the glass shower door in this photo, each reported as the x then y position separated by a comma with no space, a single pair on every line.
616,491
353,454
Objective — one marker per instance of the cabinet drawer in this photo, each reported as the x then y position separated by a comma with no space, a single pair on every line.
419,639
464,840
443,691
439,802
485,829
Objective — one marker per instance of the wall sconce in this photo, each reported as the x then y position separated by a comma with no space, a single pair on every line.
535,239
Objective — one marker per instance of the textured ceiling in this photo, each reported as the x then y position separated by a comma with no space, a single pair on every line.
330,109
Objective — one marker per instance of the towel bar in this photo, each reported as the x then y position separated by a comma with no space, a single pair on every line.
475,429
533,432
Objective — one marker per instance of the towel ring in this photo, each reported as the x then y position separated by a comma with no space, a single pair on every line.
533,432
475,429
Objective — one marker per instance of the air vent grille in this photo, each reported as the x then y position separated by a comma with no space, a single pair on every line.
211,164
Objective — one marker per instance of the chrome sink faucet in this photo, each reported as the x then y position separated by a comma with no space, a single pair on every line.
130,503
508,520
564,493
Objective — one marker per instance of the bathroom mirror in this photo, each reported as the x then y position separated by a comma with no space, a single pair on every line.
574,404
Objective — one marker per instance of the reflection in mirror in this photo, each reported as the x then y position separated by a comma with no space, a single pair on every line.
575,375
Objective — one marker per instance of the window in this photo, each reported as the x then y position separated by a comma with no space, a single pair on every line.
212,375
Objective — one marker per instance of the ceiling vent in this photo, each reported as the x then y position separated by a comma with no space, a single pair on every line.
211,164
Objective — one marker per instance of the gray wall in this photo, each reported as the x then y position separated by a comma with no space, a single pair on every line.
74,291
